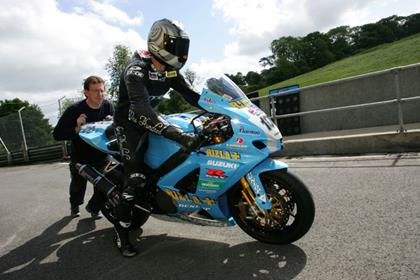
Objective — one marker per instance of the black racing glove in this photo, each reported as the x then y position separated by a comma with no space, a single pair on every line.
189,141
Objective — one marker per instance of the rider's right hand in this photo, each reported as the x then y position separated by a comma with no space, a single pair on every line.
189,141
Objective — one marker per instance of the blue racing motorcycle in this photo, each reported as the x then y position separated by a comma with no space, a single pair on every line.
231,178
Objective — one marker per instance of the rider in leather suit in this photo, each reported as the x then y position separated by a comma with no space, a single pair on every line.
149,75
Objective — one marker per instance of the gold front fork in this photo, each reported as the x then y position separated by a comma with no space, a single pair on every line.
249,196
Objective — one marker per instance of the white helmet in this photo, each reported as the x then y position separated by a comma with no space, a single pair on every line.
168,43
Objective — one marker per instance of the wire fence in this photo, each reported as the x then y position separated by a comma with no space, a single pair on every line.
10,133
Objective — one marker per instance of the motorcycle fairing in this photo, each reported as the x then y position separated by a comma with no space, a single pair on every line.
255,183
94,134
245,154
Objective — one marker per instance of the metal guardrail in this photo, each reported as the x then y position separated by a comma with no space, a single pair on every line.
398,100
38,154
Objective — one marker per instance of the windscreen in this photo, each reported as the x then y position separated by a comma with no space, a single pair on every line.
224,87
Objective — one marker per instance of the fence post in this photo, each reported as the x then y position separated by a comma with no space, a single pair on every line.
273,108
399,101
9,155
25,146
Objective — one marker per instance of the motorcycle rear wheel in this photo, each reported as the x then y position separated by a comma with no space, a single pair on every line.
290,218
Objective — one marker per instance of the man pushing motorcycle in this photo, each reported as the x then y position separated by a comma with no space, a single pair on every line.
149,75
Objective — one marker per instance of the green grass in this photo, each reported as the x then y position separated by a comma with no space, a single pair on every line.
399,53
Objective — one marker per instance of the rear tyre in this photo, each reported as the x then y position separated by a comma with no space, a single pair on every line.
290,218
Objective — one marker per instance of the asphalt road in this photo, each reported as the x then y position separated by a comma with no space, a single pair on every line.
367,226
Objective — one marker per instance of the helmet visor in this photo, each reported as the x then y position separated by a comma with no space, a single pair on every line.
177,46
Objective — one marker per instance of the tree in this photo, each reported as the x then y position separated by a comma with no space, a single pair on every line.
38,131
292,56
252,78
411,24
238,79
267,61
67,102
115,66
190,76
340,41
174,104
316,50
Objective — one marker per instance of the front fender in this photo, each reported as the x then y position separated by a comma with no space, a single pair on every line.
253,179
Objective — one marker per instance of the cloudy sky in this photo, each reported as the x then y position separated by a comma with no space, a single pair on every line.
48,47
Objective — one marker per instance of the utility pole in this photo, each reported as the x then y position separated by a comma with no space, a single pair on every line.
59,106
25,146
60,112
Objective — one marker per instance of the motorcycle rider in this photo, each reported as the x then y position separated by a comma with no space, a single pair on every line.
149,75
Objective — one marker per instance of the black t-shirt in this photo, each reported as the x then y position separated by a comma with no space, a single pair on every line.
81,151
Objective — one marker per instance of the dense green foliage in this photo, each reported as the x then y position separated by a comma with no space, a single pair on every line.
38,131
402,52
293,56
174,104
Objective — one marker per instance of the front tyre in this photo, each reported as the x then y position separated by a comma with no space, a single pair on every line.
290,218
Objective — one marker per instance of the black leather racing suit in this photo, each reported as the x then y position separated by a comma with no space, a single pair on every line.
141,89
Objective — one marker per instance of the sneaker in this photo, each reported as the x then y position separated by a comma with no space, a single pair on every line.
94,214
125,248
74,211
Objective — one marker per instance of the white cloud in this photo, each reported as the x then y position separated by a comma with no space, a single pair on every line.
44,50
112,14
230,65
255,24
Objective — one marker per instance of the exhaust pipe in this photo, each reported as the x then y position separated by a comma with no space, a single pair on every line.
97,179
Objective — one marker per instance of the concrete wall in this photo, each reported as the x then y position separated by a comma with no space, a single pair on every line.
356,90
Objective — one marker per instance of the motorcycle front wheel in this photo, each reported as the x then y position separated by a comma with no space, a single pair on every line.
291,216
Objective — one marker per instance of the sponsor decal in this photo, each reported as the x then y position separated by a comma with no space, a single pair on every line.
156,76
88,128
153,98
223,154
256,187
135,70
145,122
205,184
228,97
190,198
243,130
238,145
171,74
208,100
215,173
254,110
191,206
241,103
224,164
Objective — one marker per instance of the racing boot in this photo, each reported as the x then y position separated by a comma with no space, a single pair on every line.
122,242
135,184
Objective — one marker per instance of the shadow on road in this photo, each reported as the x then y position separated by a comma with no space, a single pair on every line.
88,254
